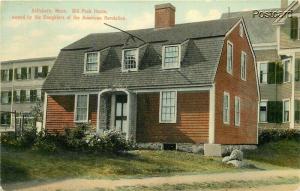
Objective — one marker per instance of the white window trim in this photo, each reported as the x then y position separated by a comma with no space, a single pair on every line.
160,105
163,57
229,72
226,122
263,100
286,100
245,67
136,59
289,69
18,90
75,108
259,63
85,62
298,30
236,98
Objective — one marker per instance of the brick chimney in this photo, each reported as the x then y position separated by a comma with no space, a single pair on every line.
164,15
284,4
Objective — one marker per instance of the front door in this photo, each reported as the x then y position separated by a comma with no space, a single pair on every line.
121,113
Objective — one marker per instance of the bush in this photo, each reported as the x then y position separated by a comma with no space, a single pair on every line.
111,141
75,139
268,135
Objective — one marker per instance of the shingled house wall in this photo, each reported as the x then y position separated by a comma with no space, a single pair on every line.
246,133
60,112
192,119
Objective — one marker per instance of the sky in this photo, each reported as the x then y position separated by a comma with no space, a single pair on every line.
32,29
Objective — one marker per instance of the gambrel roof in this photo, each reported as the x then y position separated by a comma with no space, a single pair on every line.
201,48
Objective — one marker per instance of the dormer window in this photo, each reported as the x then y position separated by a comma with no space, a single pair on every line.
92,62
171,56
130,60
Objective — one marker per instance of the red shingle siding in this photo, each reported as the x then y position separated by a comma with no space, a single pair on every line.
60,112
246,90
192,119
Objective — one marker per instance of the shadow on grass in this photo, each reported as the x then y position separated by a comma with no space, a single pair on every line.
11,171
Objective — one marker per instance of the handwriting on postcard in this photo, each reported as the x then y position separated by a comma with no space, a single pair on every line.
65,14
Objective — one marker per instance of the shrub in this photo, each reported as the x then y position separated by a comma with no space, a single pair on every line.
9,139
26,140
268,135
111,141
75,137
46,142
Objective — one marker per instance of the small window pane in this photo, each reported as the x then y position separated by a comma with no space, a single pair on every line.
130,59
229,57
263,111
168,107
92,62
171,57
81,109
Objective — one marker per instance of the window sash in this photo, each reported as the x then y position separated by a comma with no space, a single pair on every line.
81,113
92,60
237,113
286,70
263,109
5,97
168,107
130,59
286,111
243,65
263,69
171,56
241,30
226,108
229,57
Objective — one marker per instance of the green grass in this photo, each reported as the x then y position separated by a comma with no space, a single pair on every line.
282,153
209,186
27,165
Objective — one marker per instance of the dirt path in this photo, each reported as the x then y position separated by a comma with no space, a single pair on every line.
79,184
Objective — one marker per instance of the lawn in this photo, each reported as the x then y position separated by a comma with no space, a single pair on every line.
27,165
282,153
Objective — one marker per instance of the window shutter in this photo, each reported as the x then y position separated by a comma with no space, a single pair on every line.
22,95
15,95
9,97
294,28
271,73
24,73
2,75
36,72
274,114
297,70
297,111
16,74
29,73
11,74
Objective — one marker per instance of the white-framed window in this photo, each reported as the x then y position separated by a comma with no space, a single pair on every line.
298,32
286,110
130,60
226,108
237,111
81,108
171,56
18,74
229,57
17,96
4,75
92,60
27,98
5,97
263,72
241,31
286,69
263,110
243,65
168,107
39,94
